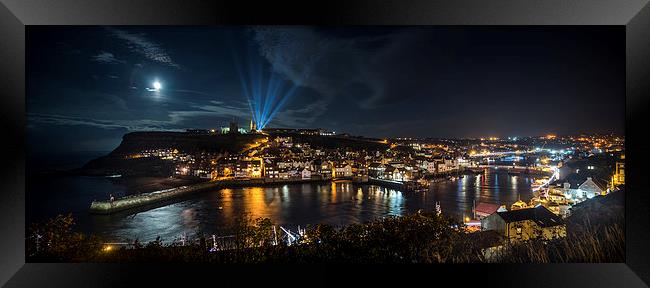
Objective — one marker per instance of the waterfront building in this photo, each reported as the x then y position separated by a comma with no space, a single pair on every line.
391,173
284,174
306,173
271,171
323,168
249,169
359,169
201,173
376,170
445,165
342,170
427,165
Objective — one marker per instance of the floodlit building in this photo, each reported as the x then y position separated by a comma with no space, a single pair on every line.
253,126
271,171
518,205
391,173
592,188
249,169
428,165
579,189
619,172
342,170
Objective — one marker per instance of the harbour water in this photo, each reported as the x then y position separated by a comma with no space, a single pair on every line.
213,212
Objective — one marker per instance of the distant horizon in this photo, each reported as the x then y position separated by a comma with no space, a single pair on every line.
76,152
394,137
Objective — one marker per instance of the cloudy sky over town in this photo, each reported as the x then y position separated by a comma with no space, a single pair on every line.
88,86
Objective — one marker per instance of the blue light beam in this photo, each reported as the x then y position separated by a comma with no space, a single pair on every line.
265,98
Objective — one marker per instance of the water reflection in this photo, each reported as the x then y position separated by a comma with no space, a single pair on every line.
338,203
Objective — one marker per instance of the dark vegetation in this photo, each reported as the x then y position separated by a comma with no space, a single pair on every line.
414,238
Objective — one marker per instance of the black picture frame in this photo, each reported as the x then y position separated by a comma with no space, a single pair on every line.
15,14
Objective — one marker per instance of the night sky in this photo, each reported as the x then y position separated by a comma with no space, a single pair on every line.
88,86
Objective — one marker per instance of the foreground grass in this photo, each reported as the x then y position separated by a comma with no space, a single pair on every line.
415,238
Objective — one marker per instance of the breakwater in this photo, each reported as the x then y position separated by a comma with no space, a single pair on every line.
152,198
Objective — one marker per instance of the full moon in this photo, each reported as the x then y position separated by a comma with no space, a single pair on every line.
157,85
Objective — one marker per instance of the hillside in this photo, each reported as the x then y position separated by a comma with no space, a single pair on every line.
597,212
333,142
186,142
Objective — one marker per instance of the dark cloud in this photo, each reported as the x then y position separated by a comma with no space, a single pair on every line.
372,81
106,57
140,44
129,125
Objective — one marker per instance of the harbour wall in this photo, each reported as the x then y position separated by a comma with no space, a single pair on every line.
147,199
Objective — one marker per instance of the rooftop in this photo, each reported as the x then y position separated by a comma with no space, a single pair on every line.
487,208
542,216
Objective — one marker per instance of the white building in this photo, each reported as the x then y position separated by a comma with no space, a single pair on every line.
587,190
591,188
428,165
306,173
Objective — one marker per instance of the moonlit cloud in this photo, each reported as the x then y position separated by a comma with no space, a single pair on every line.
138,43
107,58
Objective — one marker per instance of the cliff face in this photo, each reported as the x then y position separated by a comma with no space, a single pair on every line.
109,165
185,142
132,143
189,143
